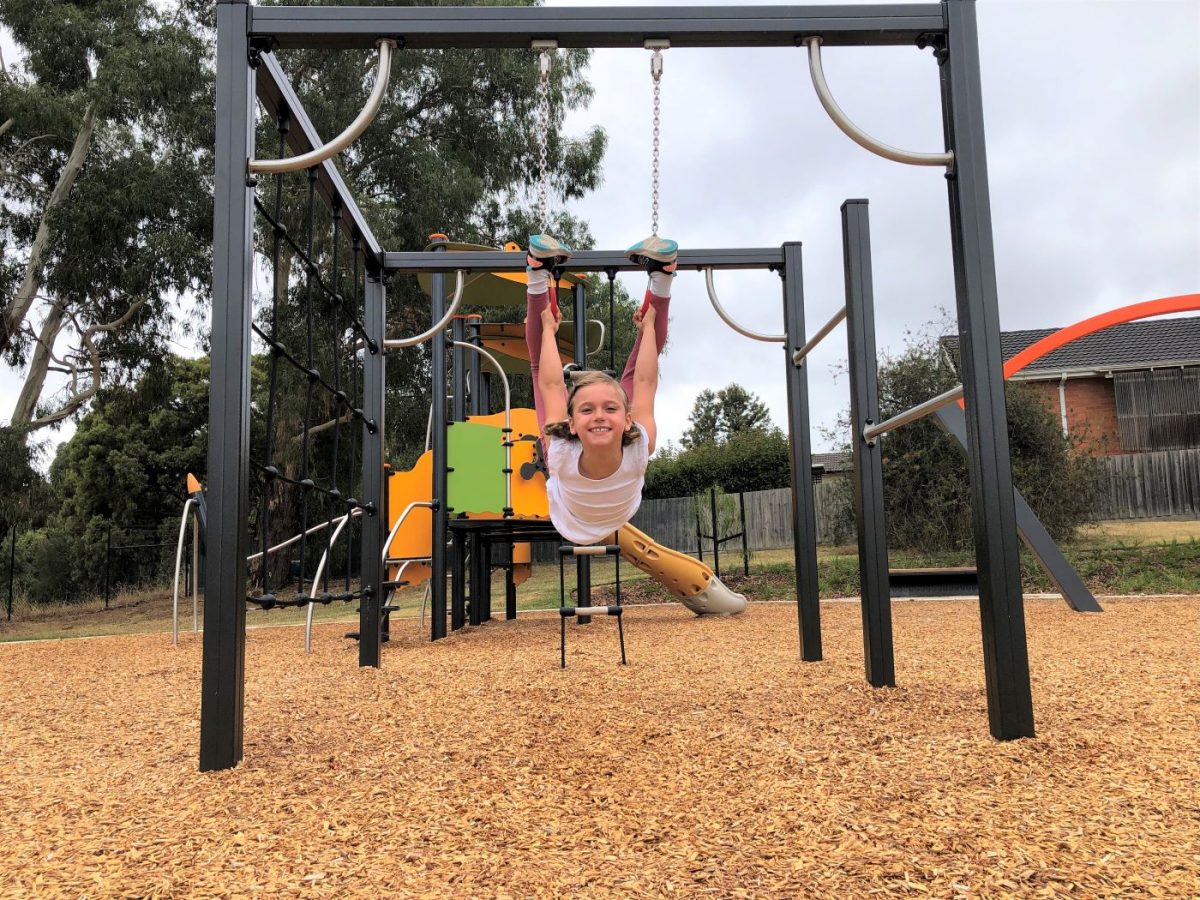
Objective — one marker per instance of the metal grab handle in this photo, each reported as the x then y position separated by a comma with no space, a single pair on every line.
312,594
799,355
855,133
871,433
178,560
347,137
395,343
712,295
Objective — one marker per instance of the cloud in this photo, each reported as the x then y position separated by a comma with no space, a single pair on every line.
1092,116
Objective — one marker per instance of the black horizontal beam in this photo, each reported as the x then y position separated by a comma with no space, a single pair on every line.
583,261
349,27
276,94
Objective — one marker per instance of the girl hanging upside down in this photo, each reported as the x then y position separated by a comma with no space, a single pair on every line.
599,434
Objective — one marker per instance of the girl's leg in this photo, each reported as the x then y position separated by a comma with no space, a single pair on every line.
659,292
535,303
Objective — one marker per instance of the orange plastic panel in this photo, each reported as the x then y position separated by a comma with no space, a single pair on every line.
415,537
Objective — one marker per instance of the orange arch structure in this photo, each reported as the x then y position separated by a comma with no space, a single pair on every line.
1119,316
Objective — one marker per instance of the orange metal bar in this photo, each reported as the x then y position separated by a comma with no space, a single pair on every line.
1119,316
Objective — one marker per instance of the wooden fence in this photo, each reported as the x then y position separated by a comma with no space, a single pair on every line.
1147,485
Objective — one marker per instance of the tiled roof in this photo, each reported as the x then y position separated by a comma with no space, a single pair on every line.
1132,345
838,461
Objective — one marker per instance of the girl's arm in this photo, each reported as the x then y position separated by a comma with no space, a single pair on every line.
550,376
645,377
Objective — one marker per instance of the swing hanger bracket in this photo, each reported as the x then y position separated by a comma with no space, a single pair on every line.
657,45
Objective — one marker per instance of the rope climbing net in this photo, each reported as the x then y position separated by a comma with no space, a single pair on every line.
308,325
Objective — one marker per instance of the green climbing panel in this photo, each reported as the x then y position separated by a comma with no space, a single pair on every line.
475,482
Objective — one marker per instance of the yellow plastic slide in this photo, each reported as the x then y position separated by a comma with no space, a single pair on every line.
688,579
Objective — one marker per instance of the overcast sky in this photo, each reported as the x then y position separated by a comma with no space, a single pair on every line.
1092,116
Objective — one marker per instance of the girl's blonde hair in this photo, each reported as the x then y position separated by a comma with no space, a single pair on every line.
582,380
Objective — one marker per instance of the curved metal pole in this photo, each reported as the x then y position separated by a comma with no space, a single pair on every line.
798,356
347,137
855,133
400,521
178,559
308,619
712,295
312,593
395,343
600,343
507,419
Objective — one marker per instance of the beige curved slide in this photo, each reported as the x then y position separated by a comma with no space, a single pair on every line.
688,579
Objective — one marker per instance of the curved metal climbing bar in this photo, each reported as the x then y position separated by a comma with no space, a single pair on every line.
347,137
852,131
712,296
394,343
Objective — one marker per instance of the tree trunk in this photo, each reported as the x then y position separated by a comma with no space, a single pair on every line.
39,365
18,307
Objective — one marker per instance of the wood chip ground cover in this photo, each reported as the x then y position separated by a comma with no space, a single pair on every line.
716,764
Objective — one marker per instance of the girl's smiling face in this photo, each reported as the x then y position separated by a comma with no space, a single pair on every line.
598,416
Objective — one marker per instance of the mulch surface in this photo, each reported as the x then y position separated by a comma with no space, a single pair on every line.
716,763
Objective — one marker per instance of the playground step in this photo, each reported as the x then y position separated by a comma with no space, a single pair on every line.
962,581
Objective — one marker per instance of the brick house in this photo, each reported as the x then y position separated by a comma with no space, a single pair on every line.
1131,388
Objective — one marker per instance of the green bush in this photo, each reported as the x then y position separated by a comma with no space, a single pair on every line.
926,484
747,461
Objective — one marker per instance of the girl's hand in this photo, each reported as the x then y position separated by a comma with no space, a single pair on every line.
550,319
642,319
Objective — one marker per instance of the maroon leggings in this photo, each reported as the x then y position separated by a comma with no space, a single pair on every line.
533,341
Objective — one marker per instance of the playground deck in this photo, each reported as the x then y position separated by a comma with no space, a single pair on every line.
715,764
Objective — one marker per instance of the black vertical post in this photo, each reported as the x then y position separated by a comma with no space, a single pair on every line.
1001,608
224,648
107,564
716,532
458,370
437,583
484,591
510,587
869,511
12,568
804,516
745,539
480,384
583,564
480,575
374,523
458,581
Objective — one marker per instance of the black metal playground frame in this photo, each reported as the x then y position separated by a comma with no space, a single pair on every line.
246,69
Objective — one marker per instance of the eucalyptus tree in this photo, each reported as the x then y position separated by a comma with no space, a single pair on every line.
105,121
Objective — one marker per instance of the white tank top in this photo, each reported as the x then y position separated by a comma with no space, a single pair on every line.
587,510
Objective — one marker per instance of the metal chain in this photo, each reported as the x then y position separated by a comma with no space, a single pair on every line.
656,69
543,136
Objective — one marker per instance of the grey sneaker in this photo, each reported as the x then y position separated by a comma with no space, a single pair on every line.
655,253
544,249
